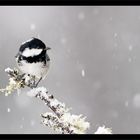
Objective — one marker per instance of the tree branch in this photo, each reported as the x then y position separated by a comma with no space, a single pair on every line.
60,119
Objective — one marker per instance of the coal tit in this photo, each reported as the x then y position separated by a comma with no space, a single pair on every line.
33,59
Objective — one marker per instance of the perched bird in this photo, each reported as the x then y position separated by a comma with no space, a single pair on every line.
33,59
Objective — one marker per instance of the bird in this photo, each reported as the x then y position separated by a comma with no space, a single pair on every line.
32,59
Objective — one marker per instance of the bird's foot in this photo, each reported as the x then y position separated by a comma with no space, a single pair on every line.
34,85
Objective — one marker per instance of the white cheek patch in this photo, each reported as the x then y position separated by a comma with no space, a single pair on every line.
31,52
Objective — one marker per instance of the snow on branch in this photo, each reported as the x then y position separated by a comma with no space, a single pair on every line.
60,119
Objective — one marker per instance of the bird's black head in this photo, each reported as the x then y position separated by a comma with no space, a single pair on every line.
33,43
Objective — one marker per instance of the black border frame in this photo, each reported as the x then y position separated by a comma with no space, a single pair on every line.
69,3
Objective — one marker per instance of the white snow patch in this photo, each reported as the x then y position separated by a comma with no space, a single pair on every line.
83,73
35,91
103,130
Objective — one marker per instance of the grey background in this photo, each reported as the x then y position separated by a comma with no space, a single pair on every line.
95,65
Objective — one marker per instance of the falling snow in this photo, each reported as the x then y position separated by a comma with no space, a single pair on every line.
83,73
108,69
63,40
95,11
21,126
115,35
8,110
115,44
81,16
32,26
136,100
130,48
126,103
32,122
129,60
110,19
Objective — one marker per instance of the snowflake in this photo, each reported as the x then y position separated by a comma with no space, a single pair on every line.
81,16
130,47
130,60
8,110
83,73
32,26
115,35
63,40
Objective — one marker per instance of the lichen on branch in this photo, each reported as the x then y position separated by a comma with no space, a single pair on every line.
60,119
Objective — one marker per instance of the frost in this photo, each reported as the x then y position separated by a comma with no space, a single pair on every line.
16,81
60,119
70,123
34,91
103,130
8,70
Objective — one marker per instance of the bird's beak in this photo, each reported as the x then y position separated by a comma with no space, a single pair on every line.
48,48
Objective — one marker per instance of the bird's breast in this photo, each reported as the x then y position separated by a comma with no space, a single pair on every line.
38,69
